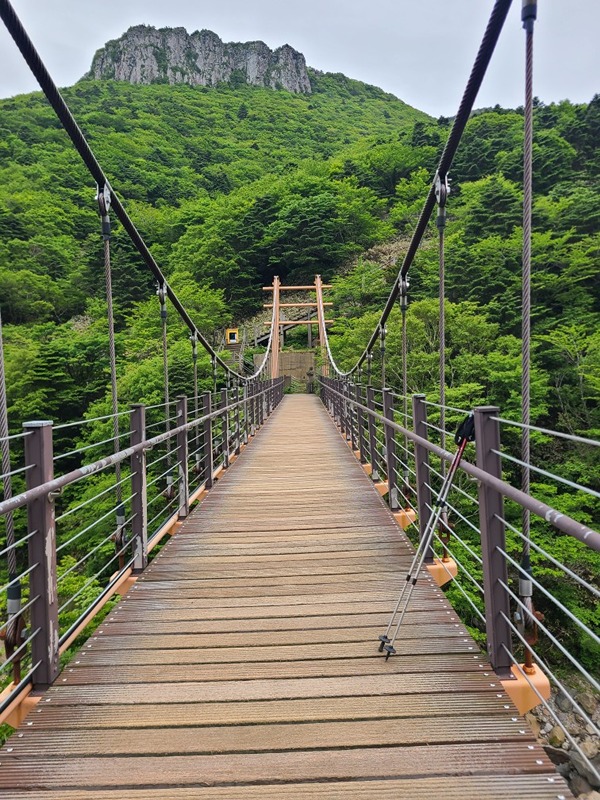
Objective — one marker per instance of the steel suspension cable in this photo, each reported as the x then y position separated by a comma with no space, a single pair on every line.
62,111
486,50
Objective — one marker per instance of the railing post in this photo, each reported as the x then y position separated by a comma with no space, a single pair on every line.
491,514
139,502
207,426
182,458
246,391
360,423
390,449
238,433
225,427
372,437
424,499
259,405
252,391
352,417
265,401
42,553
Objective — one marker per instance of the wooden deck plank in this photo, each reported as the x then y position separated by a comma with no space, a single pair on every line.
244,662
189,714
465,787
507,758
270,737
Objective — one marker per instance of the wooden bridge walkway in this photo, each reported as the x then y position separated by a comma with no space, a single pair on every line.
243,664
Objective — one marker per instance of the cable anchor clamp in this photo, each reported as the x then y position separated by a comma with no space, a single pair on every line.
404,287
442,189
103,199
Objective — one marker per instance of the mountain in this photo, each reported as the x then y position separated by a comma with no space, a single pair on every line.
172,55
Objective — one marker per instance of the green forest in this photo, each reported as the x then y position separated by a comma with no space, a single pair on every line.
233,185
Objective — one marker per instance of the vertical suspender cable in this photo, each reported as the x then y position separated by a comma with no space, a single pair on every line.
404,309
382,334
5,448
103,198
441,193
162,297
13,592
197,458
528,15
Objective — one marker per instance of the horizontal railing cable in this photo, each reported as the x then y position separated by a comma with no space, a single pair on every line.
588,631
544,700
549,432
547,474
534,620
550,558
57,484
555,518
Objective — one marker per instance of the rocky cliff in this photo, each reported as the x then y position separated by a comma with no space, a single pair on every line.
171,55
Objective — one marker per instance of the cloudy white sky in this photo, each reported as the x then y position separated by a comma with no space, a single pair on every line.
420,50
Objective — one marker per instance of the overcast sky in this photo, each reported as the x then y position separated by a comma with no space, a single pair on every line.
420,50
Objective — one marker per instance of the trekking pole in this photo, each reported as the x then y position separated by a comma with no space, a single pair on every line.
464,435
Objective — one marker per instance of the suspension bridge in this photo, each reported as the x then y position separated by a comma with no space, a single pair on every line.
265,590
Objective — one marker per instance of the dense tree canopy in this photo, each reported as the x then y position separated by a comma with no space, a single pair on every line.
233,185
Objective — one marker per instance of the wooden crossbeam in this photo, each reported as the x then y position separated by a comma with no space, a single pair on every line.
297,288
295,305
301,322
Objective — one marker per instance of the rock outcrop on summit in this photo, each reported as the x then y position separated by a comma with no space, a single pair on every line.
172,55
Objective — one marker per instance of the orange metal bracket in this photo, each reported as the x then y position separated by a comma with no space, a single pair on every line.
442,571
404,517
21,705
522,689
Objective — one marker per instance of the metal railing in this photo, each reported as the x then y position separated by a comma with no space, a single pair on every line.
478,545
71,555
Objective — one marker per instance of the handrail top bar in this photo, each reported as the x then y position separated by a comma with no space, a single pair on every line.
557,519
20,500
